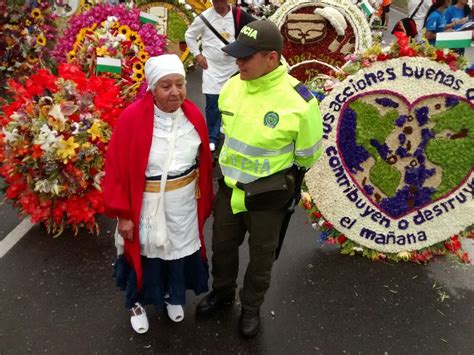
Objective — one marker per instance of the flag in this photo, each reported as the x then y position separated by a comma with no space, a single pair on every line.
111,65
145,17
461,39
366,8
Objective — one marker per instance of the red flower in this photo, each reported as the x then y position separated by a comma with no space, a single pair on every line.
465,258
328,225
453,245
383,57
316,214
440,56
341,239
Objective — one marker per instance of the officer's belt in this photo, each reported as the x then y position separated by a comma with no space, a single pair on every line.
154,186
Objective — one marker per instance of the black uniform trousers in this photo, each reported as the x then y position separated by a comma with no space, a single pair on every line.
229,232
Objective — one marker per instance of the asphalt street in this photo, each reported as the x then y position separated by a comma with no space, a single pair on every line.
58,296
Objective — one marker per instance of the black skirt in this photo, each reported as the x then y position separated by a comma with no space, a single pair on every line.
163,280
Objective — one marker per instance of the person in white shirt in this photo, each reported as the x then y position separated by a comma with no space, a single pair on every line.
420,15
217,66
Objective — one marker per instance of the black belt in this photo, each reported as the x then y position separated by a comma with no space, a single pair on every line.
171,177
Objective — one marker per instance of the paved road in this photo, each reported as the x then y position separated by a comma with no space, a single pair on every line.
57,296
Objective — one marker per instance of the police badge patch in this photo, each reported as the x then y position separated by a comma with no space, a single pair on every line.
271,119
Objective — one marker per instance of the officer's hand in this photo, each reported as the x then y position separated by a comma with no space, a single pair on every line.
201,61
125,228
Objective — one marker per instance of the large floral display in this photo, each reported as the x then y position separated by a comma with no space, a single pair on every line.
396,178
28,34
52,143
319,34
112,32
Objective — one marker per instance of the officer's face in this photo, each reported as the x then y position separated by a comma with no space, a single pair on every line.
257,65
170,92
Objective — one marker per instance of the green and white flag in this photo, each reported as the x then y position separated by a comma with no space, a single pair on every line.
366,8
145,17
460,39
110,65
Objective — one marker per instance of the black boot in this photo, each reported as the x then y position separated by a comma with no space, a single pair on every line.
213,302
249,323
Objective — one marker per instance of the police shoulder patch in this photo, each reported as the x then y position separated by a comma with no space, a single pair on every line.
271,119
303,91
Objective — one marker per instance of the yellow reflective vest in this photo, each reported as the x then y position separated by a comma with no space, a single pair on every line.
269,123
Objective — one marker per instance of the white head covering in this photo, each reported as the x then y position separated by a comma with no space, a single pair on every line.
158,67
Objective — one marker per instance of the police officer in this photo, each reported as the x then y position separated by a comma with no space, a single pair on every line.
271,124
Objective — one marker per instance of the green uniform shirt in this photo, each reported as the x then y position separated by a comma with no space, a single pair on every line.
269,123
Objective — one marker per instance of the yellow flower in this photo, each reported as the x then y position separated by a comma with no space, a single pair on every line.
96,131
124,30
67,148
138,67
86,145
405,255
35,13
70,56
101,51
41,40
133,36
28,23
143,56
140,45
137,76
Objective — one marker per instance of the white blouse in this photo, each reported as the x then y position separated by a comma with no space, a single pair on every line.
180,223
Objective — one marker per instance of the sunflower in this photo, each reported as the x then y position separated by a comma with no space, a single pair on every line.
71,56
138,67
35,13
143,56
132,36
124,30
138,76
41,40
140,44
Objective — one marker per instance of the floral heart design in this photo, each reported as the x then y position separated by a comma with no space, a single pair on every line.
402,155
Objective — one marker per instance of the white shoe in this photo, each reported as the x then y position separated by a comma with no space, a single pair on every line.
139,319
212,147
175,312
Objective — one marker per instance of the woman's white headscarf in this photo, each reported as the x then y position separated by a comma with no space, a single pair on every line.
158,67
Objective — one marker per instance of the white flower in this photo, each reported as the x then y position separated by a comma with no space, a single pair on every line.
48,186
10,136
46,138
121,37
56,113
112,19
188,7
358,249
75,128
97,179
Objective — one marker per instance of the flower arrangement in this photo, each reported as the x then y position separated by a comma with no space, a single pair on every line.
115,32
330,235
337,26
28,35
398,161
53,138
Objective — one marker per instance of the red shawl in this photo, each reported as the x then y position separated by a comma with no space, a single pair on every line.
126,162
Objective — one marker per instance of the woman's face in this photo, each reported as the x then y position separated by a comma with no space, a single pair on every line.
170,92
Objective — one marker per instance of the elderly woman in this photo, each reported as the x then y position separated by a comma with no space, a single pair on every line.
159,185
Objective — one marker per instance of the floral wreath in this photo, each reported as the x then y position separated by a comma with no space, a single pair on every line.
114,32
350,11
322,212
28,35
53,139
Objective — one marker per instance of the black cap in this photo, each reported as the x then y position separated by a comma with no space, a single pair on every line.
262,35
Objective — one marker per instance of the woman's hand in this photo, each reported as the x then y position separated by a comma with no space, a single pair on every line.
125,228
201,61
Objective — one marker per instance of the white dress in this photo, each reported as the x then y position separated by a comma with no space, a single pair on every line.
180,229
